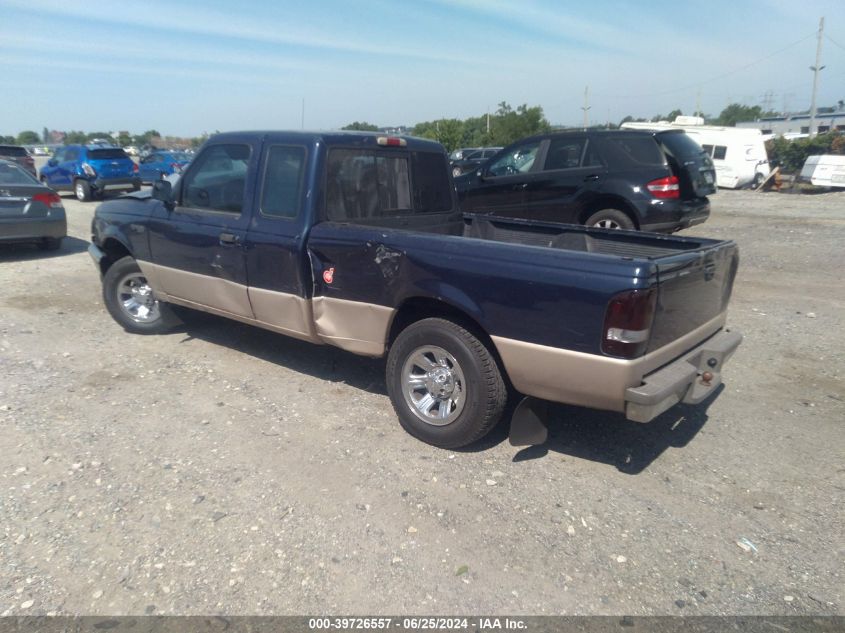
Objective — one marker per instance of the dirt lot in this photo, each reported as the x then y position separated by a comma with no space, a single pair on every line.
223,469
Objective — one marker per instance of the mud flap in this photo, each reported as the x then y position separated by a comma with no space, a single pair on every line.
528,423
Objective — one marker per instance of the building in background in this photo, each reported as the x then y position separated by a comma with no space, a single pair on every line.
796,125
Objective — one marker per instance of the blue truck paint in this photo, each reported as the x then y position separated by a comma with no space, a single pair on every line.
518,282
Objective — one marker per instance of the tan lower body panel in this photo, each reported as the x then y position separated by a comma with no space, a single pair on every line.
588,380
353,325
225,295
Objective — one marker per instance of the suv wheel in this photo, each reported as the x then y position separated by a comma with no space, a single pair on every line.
82,190
610,219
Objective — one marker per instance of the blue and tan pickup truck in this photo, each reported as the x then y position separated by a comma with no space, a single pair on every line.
356,240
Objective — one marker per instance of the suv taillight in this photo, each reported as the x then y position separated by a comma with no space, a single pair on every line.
627,323
134,167
51,200
665,188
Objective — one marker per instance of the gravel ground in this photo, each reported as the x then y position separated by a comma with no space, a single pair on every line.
224,469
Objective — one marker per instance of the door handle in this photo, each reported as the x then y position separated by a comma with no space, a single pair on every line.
591,178
229,239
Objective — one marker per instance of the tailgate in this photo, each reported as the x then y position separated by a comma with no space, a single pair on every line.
693,288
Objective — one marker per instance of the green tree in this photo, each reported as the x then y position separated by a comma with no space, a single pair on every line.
28,137
509,125
790,155
361,126
8,140
447,132
737,112
75,137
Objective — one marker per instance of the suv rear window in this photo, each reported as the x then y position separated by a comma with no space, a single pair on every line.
12,150
622,152
680,144
107,154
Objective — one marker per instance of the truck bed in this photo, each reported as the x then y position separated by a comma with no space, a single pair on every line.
627,244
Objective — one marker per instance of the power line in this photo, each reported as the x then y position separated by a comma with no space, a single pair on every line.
833,41
716,78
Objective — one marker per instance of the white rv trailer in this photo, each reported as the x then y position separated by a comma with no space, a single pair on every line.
827,170
739,154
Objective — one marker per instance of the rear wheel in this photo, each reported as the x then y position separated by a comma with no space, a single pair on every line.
444,383
131,301
82,190
610,219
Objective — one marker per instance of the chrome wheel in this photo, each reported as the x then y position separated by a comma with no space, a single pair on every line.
136,299
607,223
433,385
79,190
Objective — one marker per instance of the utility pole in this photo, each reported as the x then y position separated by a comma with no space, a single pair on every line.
488,122
586,107
816,70
698,103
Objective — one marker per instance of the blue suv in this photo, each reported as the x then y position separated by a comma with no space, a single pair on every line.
90,171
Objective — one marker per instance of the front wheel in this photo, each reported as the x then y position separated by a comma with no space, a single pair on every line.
610,219
444,383
131,301
82,190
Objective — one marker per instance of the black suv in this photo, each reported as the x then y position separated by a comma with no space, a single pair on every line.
653,181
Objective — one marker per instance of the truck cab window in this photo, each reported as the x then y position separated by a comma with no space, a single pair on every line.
282,181
217,181
362,185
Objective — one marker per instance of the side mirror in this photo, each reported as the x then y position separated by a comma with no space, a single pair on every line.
163,191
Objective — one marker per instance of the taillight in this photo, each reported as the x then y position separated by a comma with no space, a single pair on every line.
665,188
89,171
134,167
627,323
50,199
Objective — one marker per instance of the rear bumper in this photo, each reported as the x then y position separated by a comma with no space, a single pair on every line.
116,184
688,213
683,379
32,229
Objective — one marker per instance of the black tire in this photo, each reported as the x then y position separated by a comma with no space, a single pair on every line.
482,392
610,219
82,190
50,244
114,283
758,180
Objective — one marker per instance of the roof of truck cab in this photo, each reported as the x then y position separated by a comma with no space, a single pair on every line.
345,138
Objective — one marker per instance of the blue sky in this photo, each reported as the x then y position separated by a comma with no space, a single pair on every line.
187,67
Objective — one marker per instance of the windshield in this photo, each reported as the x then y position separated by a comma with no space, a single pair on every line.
13,175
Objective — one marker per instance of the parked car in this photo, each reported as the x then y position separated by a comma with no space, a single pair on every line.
90,171
160,164
357,241
652,181
29,211
470,160
19,155
825,170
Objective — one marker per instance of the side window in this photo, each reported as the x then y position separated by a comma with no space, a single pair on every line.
564,153
627,152
518,160
364,185
719,152
59,156
217,181
283,172
592,158
70,155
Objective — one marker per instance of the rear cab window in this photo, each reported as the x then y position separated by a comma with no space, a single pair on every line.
13,150
363,184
